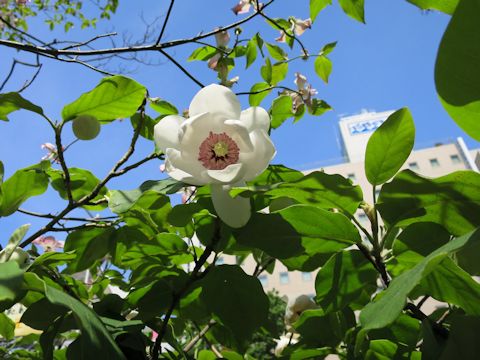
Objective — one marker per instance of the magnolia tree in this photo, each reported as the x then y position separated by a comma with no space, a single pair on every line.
140,280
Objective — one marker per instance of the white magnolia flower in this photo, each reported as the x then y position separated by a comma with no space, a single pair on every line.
242,7
218,145
296,306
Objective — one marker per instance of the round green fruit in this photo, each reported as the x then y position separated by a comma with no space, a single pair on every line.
85,127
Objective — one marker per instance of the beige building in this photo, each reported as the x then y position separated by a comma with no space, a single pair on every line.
432,161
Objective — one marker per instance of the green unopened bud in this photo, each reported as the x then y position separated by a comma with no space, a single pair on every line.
86,127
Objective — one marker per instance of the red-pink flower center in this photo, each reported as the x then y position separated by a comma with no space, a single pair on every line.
218,151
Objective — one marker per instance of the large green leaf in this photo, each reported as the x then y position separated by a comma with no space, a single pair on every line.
120,201
236,298
388,307
457,74
7,327
258,93
319,329
11,278
316,6
446,6
96,340
345,278
13,101
450,284
89,245
463,339
354,9
452,200
82,182
389,147
22,185
113,98
303,236
317,189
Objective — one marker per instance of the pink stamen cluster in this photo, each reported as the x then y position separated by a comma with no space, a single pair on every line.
210,159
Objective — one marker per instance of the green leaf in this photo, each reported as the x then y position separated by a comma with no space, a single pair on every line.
276,52
316,6
345,278
328,48
317,188
457,76
318,107
13,101
450,284
7,327
13,242
11,281
381,350
302,234
82,182
163,107
354,9
446,6
323,67
388,307
463,339
251,54
202,53
120,201
23,184
259,92
236,298
389,147
113,98
41,314
452,200
281,110
266,71
96,340
89,245
148,124
319,329
279,72
417,241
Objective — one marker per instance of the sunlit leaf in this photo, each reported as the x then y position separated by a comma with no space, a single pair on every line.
457,76
113,98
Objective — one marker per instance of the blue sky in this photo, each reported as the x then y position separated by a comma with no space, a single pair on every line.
386,64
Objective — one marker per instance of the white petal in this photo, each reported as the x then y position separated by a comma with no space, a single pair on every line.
218,100
185,169
166,132
257,160
235,212
196,129
255,117
239,133
231,174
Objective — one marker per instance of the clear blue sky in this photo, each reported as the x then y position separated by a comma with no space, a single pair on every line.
386,64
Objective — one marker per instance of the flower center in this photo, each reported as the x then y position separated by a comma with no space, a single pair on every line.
218,151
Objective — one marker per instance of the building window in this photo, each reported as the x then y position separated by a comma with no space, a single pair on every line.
413,166
263,280
434,163
351,176
455,159
220,261
306,276
284,278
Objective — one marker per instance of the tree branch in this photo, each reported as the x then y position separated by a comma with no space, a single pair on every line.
164,26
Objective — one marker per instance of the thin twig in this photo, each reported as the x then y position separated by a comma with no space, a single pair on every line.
164,26
84,43
177,64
